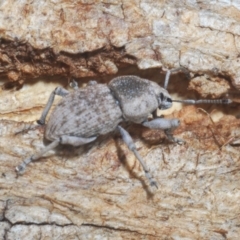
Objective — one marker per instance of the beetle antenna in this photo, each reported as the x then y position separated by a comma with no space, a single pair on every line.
192,101
208,101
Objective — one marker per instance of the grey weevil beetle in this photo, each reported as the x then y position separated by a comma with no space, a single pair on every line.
84,114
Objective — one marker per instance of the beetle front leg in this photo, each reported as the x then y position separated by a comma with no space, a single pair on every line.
58,91
129,142
168,125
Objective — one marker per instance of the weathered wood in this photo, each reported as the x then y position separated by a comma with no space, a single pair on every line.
99,191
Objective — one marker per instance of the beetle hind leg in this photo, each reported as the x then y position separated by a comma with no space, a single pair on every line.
129,142
22,167
75,141
71,140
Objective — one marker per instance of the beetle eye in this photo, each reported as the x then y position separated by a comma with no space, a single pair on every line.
161,96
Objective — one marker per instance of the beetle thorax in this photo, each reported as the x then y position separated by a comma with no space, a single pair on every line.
136,97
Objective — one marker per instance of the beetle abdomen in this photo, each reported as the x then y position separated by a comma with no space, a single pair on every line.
86,112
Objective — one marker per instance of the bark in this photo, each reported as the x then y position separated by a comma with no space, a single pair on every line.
99,190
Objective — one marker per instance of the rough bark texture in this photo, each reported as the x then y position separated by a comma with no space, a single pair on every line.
99,191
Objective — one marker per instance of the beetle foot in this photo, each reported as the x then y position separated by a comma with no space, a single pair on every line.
178,141
40,122
20,169
152,181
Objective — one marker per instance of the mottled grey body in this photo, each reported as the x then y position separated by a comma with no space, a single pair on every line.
97,109
85,112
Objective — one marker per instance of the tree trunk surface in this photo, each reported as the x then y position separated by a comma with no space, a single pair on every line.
99,191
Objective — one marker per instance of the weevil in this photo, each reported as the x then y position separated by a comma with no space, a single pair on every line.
97,109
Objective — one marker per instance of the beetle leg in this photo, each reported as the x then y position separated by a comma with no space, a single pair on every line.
168,125
169,72
73,84
75,141
129,142
71,140
21,168
58,91
171,138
